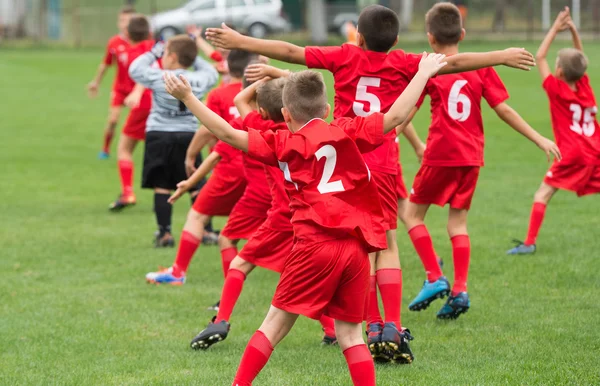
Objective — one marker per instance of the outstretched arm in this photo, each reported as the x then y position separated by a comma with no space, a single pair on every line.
511,57
181,89
256,72
227,38
243,98
205,167
514,120
560,24
575,35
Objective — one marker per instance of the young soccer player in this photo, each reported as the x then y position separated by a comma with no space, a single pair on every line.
334,225
368,77
134,129
452,159
170,126
117,45
573,109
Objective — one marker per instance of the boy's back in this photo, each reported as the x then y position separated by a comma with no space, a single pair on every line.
220,100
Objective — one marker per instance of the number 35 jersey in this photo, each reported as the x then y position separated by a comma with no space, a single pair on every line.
331,192
574,120
456,132
367,82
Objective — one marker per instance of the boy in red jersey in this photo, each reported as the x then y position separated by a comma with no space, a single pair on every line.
452,159
573,109
117,45
368,77
139,99
335,227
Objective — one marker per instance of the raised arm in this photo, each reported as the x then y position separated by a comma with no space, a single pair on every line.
180,88
257,71
400,110
205,167
229,39
511,57
575,35
243,98
141,70
560,24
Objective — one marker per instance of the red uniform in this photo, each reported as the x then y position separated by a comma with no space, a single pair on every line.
337,218
117,46
135,126
220,100
454,152
250,212
367,82
577,135
226,184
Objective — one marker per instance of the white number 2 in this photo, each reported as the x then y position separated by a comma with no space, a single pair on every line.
588,127
455,98
363,95
326,186
233,111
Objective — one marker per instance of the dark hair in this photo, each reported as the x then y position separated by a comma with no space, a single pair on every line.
305,95
444,23
237,61
185,49
573,63
269,97
127,9
138,28
379,26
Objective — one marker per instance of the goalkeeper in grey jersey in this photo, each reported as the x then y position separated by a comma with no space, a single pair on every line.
170,126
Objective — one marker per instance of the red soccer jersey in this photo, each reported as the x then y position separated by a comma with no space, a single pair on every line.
367,82
123,64
279,214
231,165
574,120
115,49
220,100
332,194
456,131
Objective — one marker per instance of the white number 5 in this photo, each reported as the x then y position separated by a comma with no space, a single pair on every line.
326,186
363,95
455,98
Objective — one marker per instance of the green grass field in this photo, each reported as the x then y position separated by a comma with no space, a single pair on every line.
74,307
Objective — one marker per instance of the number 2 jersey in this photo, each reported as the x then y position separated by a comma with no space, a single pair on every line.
574,120
456,132
331,191
367,82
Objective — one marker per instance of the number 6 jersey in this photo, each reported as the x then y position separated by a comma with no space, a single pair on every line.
331,192
574,120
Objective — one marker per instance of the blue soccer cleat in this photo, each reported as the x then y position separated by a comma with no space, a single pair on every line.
430,291
455,305
103,155
165,276
521,249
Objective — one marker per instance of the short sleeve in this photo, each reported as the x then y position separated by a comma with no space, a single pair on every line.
213,102
366,132
494,90
411,63
262,146
551,85
324,57
254,121
108,55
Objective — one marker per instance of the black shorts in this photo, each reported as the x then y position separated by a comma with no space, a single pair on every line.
164,159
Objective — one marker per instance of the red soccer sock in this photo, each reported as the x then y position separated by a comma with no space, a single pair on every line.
126,174
421,239
360,364
187,246
255,357
108,136
234,282
389,281
328,325
535,222
461,254
373,314
227,255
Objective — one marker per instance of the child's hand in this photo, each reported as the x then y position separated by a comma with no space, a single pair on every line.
190,165
420,152
92,88
431,63
258,71
561,22
133,100
223,37
550,149
182,187
178,87
194,31
519,58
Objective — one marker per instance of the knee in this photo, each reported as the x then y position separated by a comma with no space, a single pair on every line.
225,242
542,195
241,265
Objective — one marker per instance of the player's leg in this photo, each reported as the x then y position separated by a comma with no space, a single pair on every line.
229,251
358,358
114,113
125,165
274,328
163,212
373,316
330,334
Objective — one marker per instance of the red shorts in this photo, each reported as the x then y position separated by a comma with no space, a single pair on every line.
241,225
135,126
117,98
400,187
387,188
441,185
581,179
218,197
268,248
330,278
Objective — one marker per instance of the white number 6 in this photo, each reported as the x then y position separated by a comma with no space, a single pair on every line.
455,98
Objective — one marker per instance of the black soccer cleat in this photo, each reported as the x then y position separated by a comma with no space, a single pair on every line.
121,203
165,240
214,307
213,333
378,351
395,344
329,341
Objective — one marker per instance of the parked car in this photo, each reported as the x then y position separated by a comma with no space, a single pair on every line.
255,17
339,13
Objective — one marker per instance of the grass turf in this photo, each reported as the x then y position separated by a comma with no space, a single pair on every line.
74,308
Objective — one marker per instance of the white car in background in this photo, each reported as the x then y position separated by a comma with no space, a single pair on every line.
257,18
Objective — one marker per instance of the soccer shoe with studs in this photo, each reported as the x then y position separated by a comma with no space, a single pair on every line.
103,155
455,305
213,333
210,238
165,276
430,291
163,241
395,344
521,249
121,203
378,352
329,341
